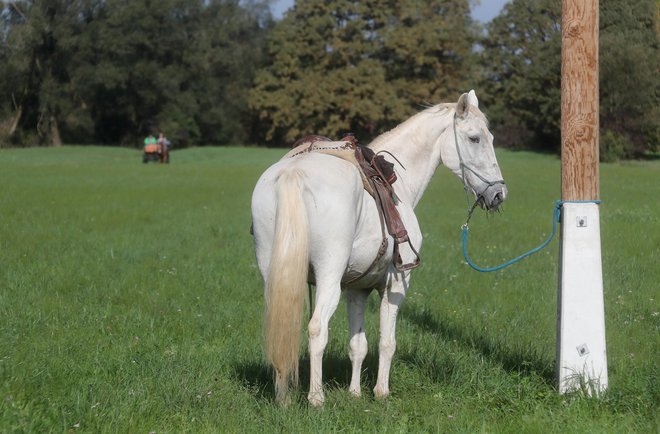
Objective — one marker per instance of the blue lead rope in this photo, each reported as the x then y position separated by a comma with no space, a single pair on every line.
556,215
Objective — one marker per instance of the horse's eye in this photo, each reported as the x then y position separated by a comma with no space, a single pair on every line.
474,139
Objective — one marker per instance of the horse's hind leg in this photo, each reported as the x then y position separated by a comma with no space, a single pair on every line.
357,347
391,300
327,299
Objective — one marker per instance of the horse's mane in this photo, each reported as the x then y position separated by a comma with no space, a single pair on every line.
442,109
438,109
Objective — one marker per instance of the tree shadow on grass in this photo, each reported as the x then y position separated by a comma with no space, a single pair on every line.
512,360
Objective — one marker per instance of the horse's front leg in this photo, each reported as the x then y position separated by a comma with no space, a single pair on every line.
391,300
327,299
357,347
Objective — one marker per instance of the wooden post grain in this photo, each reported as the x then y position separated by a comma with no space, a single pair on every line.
579,100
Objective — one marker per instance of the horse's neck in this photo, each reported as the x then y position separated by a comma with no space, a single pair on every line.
417,145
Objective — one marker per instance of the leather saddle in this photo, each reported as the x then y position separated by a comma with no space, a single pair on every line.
377,178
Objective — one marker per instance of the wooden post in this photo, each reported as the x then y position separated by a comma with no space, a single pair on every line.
581,351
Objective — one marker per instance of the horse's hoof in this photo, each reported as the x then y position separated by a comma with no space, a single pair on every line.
381,393
357,393
283,401
316,399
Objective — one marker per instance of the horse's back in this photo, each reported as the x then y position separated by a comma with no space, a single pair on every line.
328,180
332,195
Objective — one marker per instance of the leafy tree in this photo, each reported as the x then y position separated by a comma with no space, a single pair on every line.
36,69
521,64
176,65
138,67
521,60
112,70
629,85
231,49
13,66
346,65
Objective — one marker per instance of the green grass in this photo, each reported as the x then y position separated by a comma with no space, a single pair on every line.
130,302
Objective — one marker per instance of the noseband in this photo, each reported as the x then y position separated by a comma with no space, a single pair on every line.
464,167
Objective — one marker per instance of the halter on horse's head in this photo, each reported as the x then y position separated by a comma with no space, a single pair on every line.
473,158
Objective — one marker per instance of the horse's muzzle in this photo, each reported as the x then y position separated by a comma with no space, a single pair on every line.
493,196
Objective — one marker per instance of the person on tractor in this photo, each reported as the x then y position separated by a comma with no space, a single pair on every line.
150,144
151,151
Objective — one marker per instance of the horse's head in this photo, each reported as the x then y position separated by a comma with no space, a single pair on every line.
472,158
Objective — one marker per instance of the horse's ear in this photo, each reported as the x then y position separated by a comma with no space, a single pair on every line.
462,107
472,98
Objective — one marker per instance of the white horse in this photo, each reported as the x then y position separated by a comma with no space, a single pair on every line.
313,221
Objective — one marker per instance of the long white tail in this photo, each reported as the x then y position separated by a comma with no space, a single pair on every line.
286,283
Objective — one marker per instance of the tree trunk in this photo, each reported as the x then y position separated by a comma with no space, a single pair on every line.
15,121
54,133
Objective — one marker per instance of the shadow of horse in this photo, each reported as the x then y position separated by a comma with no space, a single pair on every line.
258,379
514,360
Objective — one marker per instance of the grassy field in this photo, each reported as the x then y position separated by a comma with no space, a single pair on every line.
130,302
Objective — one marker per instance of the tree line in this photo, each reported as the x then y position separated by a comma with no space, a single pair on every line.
225,72
110,71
